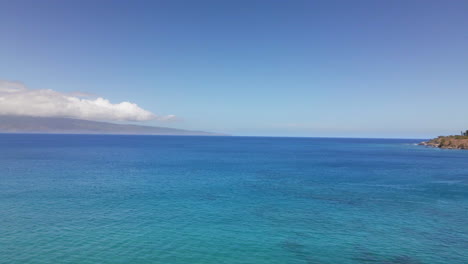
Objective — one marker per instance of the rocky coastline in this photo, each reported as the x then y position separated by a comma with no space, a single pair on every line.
447,142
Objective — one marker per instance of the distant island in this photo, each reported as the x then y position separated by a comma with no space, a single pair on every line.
53,125
449,142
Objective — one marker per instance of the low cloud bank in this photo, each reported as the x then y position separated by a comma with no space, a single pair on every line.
17,99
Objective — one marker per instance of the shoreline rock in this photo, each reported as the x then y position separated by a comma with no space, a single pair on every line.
447,142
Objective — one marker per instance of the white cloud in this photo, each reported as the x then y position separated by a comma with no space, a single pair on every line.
17,99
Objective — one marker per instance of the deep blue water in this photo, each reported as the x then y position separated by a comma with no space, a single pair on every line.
170,200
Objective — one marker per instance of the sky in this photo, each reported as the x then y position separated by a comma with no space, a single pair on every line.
242,67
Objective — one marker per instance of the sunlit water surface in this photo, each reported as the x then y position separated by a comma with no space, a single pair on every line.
170,200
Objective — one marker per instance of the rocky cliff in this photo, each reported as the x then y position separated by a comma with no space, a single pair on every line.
447,142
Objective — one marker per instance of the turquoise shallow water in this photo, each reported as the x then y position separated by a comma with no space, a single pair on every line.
161,199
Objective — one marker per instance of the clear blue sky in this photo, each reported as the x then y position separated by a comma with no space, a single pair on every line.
246,67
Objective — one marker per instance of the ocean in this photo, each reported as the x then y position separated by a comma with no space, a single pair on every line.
234,200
